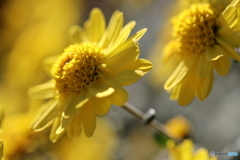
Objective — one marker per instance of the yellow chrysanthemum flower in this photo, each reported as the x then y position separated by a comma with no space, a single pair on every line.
204,38
18,140
88,77
185,151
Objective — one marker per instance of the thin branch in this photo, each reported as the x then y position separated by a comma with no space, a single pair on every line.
153,123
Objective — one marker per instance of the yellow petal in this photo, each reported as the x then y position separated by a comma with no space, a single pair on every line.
96,26
88,120
186,147
70,132
231,15
204,67
170,49
202,153
236,4
177,76
175,92
71,102
122,37
76,125
123,56
46,118
43,91
83,98
214,52
229,38
103,105
53,135
230,52
222,65
105,70
186,92
127,77
77,34
72,106
141,64
101,89
126,46
204,86
138,35
120,96
113,29
66,121
103,93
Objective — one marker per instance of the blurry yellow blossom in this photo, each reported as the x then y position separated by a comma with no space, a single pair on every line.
204,38
17,136
185,151
161,71
20,142
25,42
101,146
88,77
179,126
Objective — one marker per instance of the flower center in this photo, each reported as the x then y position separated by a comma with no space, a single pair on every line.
76,68
195,28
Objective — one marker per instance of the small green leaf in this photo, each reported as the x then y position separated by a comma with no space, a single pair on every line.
161,139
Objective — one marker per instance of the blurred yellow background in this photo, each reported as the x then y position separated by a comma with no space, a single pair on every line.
31,30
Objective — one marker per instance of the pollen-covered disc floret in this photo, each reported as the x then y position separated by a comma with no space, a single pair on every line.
76,68
195,28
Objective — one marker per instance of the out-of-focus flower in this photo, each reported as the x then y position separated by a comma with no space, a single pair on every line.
161,71
18,139
101,146
25,42
185,151
204,38
179,126
88,77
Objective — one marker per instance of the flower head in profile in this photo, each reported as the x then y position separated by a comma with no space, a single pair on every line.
204,39
185,151
88,76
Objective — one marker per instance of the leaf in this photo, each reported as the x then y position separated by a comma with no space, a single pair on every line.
161,139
